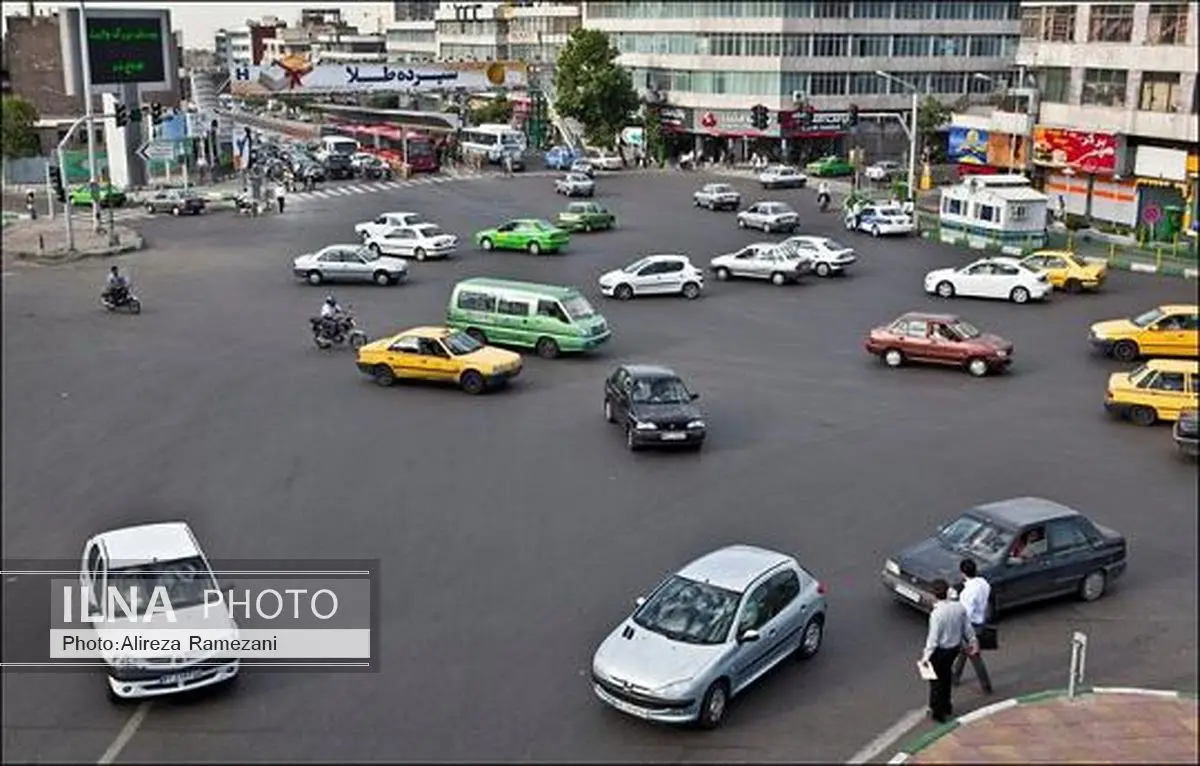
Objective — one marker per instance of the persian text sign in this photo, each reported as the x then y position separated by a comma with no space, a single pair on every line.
968,146
299,76
1081,151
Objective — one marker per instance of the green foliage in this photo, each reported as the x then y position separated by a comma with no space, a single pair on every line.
496,111
932,116
17,120
652,134
593,88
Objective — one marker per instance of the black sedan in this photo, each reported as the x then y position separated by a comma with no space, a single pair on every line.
654,407
176,202
1027,548
1187,433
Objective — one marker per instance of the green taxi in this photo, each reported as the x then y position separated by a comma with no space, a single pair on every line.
832,165
109,196
586,216
532,234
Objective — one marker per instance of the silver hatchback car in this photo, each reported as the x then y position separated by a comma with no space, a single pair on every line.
707,633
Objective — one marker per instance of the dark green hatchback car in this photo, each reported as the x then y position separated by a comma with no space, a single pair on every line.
586,216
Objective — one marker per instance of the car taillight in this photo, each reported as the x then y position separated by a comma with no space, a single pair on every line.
820,588
1108,394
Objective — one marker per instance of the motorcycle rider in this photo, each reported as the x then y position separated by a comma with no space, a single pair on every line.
823,195
117,287
332,316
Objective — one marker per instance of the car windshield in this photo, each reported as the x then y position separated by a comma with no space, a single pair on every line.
965,330
636,266
660,391
367,254
460,343
578,207
891,211
689,611
720,189
1149,318
184,582
970,534
540,225
577,307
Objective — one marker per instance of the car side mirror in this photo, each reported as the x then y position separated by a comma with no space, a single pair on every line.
748,636
639,601
695,397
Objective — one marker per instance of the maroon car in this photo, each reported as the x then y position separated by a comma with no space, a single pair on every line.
939,339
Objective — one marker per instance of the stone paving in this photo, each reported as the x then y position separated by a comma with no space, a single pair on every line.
1093,728
46,238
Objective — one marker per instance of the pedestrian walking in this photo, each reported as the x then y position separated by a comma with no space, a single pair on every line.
974,595
280,195
949,632
31,204
508,164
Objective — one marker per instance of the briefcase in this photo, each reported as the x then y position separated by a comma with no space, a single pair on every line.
988,638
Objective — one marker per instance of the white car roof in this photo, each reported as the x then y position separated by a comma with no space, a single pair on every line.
147,543
423,226
734,568
400,214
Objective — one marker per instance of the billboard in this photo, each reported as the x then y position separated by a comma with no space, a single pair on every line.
123,47
1005,150
968,146
1080,151
299,75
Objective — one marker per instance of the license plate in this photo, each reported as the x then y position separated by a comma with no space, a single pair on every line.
182,678
674,437
630,709
909,593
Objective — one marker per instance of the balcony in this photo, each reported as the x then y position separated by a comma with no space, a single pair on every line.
1169,126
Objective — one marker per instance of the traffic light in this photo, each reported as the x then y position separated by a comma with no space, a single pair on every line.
760,117
156,113
122,115
853,120
135,115
56,182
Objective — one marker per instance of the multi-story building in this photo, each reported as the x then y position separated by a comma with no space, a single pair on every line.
411,35
345,44
504,31
422,10
713,61
246,45
222,54
1116,129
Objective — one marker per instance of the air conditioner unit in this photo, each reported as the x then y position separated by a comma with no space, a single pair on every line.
797,96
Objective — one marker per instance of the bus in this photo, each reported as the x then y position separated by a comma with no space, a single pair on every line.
393,144
494,141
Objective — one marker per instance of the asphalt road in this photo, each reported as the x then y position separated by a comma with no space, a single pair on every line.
515,530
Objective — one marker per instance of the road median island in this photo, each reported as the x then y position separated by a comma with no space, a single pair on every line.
45,240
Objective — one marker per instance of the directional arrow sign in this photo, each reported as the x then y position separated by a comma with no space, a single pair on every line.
157,150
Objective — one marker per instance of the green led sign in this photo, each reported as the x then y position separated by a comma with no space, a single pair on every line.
126,50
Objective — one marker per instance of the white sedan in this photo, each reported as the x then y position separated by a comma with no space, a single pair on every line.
769,216
882,170
762,260
421,241
605,160
782,177
1000,277
384,222
349,263
654,275
828,257
880,219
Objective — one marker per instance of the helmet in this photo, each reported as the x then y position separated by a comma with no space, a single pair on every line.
114,269
328,299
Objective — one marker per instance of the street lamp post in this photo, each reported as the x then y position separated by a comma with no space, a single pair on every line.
912,133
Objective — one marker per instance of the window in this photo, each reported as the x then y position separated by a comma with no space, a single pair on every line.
472,301
1167,24
911,45
947,82
512,308
551,309
831,9
872,45
991,11
987,213
953,9
1168,381
755,611
407,345
1110,23
950,45
1018,213
952,206
916,328
870,9
1052,23
830,45
795,45
1067,535
906,10
1104,87
782,590
1160,92
867,84
1055,84
827,84
985,45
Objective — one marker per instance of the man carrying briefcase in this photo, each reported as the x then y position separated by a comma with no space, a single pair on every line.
974,596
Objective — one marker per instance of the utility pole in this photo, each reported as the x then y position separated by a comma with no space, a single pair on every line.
93,185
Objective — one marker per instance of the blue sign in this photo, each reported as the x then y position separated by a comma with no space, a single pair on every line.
968,146
174,128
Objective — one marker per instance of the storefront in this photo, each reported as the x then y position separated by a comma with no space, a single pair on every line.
1163,191
728,134
1080,167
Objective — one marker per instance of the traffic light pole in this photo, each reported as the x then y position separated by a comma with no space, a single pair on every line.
86,66
62,171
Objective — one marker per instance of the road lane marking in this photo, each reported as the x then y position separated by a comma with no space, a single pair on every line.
889,737
126,734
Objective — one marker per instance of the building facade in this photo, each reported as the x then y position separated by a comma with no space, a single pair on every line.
533,32
423,10
246,45
1116,132
713,61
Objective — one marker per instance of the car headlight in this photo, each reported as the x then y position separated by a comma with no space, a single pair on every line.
696,424
1001,353
646,426
675,689
892,567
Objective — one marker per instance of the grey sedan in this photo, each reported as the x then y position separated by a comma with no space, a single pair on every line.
707,633
575,185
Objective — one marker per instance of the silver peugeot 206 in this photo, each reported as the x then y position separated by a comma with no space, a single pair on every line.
707,633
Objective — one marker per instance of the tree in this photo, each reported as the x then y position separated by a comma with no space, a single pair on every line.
17,120
496,111
593,88
932,116
652,133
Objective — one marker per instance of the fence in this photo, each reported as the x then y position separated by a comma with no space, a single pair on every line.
31,171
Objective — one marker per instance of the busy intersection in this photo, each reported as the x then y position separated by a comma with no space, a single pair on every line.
515,529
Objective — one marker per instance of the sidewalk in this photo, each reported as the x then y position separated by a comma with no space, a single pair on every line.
1103,725
47,239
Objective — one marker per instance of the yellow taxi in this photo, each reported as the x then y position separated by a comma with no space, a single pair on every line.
1066,270
1158,390
1169,330
440,355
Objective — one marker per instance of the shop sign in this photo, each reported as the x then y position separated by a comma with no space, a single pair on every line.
1005,150
1080,151
968,146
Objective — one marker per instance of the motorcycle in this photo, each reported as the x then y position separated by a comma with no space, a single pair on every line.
328,333
113,300
247,205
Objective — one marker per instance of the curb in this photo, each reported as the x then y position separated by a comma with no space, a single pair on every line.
922,742
50,259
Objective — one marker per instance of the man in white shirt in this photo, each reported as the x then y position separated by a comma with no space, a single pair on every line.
949,632
974,596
